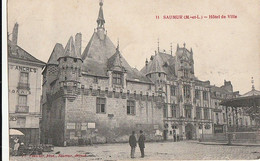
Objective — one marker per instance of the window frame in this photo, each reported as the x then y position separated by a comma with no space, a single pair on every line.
117,78
20,78
26,102
131,106
99,105
173,90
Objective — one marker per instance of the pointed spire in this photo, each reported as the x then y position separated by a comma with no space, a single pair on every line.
191,50
177,46
158,45
117,44
70,50
184,44
101,19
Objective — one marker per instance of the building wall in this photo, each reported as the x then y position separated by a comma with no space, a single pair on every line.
25,117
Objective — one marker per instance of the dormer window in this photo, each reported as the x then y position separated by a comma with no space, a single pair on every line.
117,78
65,59
75,60
159,74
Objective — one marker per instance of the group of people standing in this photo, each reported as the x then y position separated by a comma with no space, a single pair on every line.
132,143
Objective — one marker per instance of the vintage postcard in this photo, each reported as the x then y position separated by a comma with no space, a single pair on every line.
133,79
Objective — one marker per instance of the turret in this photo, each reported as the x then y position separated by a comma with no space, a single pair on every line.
70,63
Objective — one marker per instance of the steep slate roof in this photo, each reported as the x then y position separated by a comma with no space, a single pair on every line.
15,51
70,50
161,62
99,48
115,62
57,52
93,67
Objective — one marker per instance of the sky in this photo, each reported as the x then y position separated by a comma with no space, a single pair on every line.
224,49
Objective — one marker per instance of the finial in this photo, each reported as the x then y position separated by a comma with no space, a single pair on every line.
191,50
177,46
158,45
184,44
100,2
171,48
252,81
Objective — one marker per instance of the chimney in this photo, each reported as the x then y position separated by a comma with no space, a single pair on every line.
78,40
15,34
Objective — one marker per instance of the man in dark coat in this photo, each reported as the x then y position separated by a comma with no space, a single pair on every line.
141,143
132,143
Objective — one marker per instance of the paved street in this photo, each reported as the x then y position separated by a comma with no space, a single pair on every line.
153,151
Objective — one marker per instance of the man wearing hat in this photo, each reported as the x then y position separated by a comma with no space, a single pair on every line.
141,143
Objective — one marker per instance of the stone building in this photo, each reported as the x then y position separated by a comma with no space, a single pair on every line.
187,110
228,118
97,95
24,86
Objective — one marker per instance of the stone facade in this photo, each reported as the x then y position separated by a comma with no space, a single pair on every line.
96,95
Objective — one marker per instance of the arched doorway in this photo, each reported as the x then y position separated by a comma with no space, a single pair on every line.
189,130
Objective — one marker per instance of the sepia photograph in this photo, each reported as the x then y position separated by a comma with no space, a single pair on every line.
132,80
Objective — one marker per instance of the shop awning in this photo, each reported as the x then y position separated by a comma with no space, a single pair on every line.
15,132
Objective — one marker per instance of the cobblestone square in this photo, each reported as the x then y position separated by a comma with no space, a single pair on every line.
188,150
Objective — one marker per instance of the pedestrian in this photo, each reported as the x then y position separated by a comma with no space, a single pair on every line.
141,143
174,137
132,143
16,146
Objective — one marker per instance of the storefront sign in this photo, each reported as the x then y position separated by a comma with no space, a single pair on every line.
91,125
22,68
218,129
70,125
20,91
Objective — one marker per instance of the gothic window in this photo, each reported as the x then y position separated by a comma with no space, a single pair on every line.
159,74
101,105
187,112
197,94
186,91
117,78
205,95
173,110
198,113
206,113
186,73
173,90
130,107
